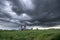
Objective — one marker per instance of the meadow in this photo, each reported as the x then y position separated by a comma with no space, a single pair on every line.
51,34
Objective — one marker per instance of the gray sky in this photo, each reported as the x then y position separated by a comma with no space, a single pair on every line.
42,11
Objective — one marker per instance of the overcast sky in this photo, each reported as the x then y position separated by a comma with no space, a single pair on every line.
45,12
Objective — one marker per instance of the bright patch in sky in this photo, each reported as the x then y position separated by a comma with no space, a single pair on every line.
8,9
27,4
25,16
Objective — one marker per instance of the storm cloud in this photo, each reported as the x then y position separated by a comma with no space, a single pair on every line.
31,12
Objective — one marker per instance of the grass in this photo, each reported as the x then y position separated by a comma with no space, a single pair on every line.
53,34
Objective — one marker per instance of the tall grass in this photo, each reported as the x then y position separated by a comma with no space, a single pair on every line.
30,35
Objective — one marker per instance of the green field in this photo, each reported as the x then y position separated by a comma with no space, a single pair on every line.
30,34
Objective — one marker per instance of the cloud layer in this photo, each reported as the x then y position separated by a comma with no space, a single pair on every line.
41,12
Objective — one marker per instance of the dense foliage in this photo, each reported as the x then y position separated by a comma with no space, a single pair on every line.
30,35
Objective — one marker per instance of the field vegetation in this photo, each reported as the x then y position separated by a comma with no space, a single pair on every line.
51,34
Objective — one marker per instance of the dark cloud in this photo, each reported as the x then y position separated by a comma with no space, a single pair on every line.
45,12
